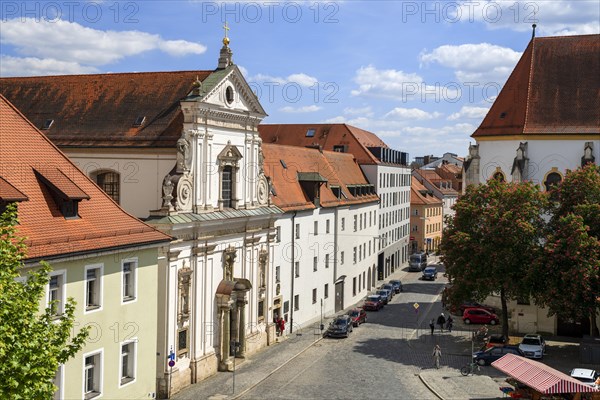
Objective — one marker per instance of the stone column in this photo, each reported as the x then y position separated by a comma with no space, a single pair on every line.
241,306
236,318
225,362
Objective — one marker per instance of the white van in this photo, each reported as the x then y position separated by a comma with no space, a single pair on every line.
417,262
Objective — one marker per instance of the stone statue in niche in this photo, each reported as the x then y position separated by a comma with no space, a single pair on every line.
167,188
230,256
184,155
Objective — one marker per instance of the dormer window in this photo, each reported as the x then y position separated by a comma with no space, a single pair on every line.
311,182
9,194
310,132
65,192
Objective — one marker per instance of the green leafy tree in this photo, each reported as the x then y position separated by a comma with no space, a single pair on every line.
491,242
567,278
32,344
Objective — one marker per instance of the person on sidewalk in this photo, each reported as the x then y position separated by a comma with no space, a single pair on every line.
432,325
437,354
441,321
281,326
449,323
278,332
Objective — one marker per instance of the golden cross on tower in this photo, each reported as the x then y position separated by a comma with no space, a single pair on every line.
226,39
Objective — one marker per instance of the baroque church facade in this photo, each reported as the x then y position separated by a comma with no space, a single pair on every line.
180,150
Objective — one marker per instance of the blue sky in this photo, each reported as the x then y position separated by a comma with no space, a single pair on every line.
421,75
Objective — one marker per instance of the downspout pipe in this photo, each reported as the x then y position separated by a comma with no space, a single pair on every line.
293,230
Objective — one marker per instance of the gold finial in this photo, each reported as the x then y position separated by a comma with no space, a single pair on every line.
226,39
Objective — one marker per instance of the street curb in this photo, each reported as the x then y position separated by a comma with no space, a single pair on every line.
432,390
275,370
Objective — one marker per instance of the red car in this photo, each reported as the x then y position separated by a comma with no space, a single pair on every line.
473,304
479,316
358,315
373,302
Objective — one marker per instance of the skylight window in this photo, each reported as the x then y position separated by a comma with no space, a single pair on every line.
283,164
48,124
502,115
139,121
310,133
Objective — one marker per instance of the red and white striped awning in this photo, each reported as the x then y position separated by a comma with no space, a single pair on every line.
539,376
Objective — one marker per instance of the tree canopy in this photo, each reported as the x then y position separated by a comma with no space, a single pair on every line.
492,240
32,343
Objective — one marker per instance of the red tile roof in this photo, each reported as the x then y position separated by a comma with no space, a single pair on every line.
326,136
100,110
8,193
554,89
339,169
418,198
102,224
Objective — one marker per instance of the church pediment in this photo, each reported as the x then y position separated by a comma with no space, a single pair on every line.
228,89
230,153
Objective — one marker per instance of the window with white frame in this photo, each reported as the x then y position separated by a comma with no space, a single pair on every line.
342,258
316,229
314,296
354,254
277,274
92,377
93,287
56,292
326,260
327,226
326,291
315,263
129,268
296,302
343,224
128,359
297,231
297,269
355,222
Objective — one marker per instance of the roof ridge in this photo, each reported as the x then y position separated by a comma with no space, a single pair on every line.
107,74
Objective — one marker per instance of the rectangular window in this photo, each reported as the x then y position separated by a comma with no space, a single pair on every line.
277,274
326,260
278,234
297,268
92,367
342,258
361,222
326,290
315,263
355,223
354,255
359,282
354,286
297,231
261,309
296,302
93,287
129,280
128,358
364,280
327,226
182,343
314,297
343,224
56,292
316,229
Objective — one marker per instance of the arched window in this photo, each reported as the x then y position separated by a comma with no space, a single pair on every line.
110,182
552,179
226,187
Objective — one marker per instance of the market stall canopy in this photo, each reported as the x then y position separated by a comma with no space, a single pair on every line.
539,376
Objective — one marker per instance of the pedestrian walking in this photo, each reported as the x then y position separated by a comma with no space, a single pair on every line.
277,330
441,321
449,323
432,325
281,326
437,354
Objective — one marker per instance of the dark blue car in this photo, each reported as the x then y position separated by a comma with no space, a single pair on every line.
493,353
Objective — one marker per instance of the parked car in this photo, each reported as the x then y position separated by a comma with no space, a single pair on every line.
493,353
430,273
390,287
474,304
479,316
341,326
373,302
385,294
358,316
417,262
533,345
587,376
495,341
397,285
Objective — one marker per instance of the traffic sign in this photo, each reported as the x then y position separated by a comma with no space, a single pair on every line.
171,363
416,306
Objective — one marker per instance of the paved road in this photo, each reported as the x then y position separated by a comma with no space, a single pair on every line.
381,359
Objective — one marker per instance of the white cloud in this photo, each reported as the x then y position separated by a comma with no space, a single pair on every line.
244,71
469,112
411,113
32,66
366,111
482,63
300,79
302,109
557,17
399,85
70,42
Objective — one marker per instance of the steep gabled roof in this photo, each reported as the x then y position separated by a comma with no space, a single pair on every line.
554,89
338,169
25,154
418,197
326,136
101,110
